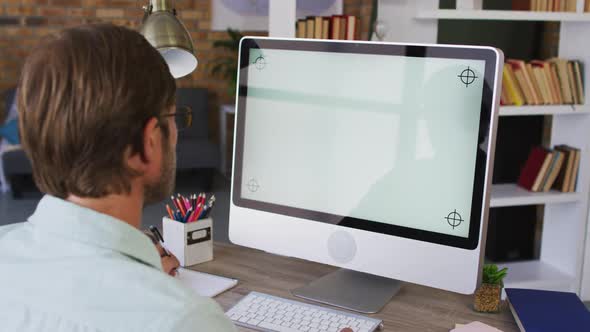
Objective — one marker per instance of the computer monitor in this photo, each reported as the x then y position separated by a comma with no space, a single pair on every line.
373,157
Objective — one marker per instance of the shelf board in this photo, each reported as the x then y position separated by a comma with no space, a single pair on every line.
544,110
537,275
504,15
512,195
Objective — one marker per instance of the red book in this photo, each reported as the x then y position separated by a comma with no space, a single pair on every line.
343,19
521,4
532,167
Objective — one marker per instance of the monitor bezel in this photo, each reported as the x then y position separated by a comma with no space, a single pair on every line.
478,203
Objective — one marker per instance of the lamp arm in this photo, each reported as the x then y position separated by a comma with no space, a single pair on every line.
166,5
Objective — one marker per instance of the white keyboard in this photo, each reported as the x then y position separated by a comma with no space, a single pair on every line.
265,312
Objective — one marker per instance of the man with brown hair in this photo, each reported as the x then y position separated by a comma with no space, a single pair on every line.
97,120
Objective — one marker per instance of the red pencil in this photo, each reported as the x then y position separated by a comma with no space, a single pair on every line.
170,213
188,216
198,211
187,204
181,206
174,202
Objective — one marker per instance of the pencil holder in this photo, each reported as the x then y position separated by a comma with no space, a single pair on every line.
191,243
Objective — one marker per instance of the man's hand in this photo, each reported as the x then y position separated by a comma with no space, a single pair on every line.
169,262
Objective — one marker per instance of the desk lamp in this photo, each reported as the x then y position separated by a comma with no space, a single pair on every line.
162,28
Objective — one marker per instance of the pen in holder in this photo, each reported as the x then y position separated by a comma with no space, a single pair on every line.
191,243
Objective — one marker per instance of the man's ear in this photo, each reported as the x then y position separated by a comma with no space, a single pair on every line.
151,146
152,140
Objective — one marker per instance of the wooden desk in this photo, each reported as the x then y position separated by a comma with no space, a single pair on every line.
414,308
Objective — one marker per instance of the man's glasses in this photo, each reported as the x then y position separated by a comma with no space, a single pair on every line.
183,117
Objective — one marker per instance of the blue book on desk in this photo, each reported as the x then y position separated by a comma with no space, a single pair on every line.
539,310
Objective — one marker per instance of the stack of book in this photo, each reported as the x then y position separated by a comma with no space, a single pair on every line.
548,5
328,27
547,169
555,81
541,310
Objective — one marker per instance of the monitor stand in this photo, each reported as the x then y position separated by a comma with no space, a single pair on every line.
352,290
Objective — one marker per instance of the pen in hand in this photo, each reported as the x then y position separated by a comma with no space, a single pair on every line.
170,263
158,236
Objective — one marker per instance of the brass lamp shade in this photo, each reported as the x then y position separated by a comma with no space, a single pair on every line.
169,36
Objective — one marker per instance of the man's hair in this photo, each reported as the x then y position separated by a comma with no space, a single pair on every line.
84,98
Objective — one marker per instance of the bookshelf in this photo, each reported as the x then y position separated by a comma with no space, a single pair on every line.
512,195
564,262
581,110
502,15
537,274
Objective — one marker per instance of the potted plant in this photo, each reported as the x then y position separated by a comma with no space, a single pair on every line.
487,296
226,67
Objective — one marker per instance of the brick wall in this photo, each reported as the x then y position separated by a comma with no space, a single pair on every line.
24,22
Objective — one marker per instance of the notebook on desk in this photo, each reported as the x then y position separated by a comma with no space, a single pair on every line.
205,284
474,327
539,310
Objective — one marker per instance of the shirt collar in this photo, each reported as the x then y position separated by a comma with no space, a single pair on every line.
68,220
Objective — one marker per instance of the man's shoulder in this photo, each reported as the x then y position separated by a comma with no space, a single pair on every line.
7,229
14,233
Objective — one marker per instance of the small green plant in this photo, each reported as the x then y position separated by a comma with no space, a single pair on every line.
226,66
493,276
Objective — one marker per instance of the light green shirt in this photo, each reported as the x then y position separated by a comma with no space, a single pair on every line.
70,268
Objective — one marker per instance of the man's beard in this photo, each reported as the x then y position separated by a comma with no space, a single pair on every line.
162,188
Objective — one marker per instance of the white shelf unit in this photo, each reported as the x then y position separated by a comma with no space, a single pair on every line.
563,264
545,110
502,15
539,275
512,195
566,214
